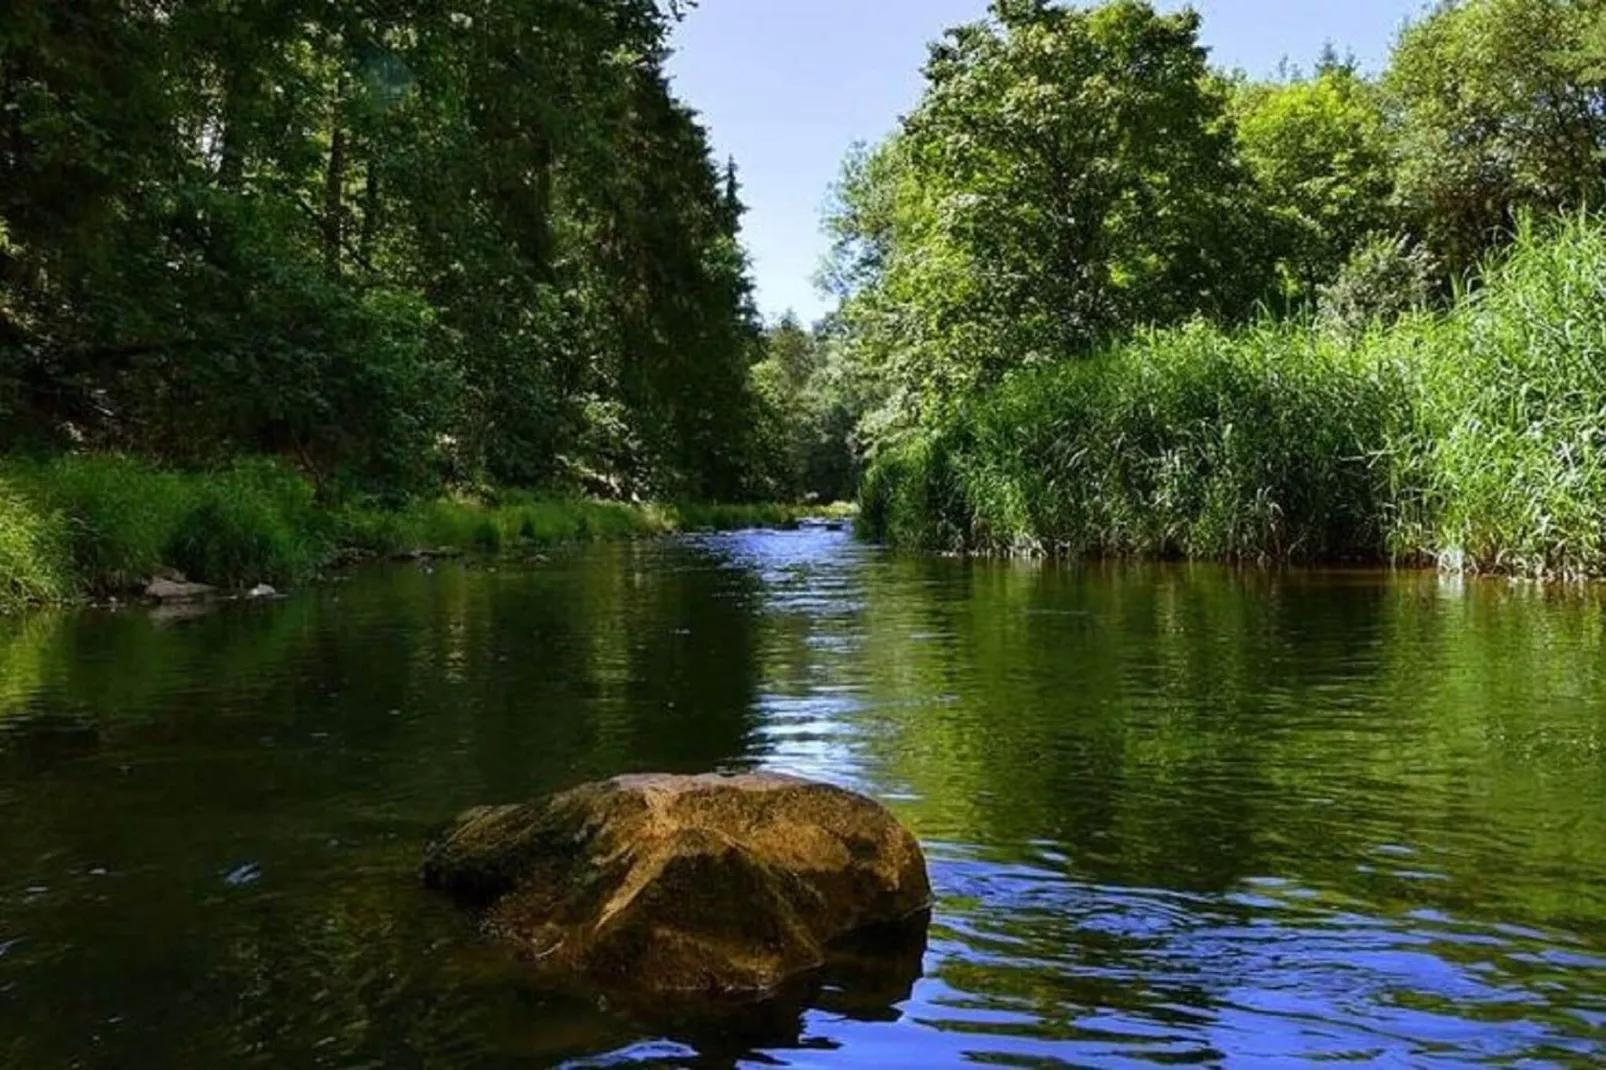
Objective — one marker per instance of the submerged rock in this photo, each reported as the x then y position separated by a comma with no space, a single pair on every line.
694,885
163,589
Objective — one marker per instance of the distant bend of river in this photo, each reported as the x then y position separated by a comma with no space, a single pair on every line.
1175,815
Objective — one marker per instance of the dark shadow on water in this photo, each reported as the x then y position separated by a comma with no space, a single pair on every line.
867,978
34,744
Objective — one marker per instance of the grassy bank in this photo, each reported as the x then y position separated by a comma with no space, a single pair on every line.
1475,438
86,526
512,519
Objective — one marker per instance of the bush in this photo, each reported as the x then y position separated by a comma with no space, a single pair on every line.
1385,279
1475,437
911,497
119,514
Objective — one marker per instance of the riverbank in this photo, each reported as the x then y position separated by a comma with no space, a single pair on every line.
1473,439
86,527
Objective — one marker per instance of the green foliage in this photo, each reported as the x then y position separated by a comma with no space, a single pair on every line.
808,416
1502,106
120,521
105,524
254,523
30,554
1073,175
1069,173
394,248
1384,279
912,497
464,525
118,514
1185,443
1473,438
1508,449
1319,151
513,520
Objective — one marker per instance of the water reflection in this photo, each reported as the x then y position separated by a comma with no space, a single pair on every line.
1176,816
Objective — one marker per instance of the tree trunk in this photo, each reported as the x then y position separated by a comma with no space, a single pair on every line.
334,184
231,151
370,213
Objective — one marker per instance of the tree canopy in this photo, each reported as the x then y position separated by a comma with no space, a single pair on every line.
1073,173
1069,173
393,242
1319,153
1500,105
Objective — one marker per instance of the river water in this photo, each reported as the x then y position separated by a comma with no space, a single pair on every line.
1175,816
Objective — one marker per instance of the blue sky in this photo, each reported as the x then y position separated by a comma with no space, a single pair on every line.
786,86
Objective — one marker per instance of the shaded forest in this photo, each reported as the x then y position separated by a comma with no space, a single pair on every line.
398,246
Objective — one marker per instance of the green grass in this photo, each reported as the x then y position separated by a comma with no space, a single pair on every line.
512,519
119,520
491,527
100,524
30,554
1476,439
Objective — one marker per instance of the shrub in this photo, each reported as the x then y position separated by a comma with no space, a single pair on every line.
121,520
118,513
1386,278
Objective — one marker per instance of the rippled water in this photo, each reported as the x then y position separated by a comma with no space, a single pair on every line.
1175,816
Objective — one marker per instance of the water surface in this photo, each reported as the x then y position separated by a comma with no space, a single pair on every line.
1176,816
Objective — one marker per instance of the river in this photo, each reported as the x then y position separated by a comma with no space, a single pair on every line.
1175,815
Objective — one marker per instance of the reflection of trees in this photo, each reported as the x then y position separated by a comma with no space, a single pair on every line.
1193,727
1103,759
1162,728
304,751
24,645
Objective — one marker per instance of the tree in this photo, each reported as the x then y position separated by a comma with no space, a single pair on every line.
1319,150
392,242
810,413
1069,173
1501,106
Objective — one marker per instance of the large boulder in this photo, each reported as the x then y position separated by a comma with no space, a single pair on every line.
706,885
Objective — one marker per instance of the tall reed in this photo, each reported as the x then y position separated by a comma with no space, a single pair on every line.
1475,438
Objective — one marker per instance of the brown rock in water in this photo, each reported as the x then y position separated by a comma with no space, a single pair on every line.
707,884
